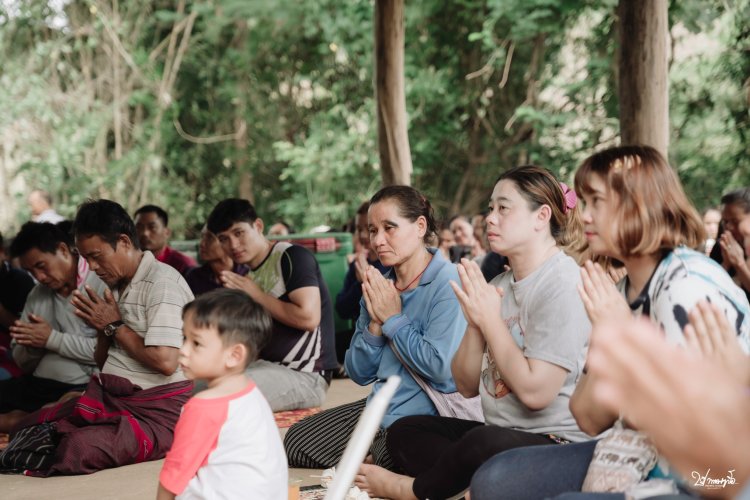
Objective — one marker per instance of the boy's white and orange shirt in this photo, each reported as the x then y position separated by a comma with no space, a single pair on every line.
229,444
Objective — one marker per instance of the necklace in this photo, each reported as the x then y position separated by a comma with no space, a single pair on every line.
412,281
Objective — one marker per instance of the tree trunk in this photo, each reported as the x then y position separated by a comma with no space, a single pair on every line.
7,169
390,98
643,82
245,188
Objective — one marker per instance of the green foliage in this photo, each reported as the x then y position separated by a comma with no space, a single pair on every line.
709,107
275,100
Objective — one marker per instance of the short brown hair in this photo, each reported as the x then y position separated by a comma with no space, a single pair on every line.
237,318
653,213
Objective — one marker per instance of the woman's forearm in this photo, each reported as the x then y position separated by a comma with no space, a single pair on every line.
466,366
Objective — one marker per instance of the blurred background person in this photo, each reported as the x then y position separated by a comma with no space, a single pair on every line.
40,202
445,240
15,286
731,250
349,298
280,228
152,228
467,246
711,220
480,230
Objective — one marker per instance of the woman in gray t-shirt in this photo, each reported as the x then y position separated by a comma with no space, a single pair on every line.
523,350
636,212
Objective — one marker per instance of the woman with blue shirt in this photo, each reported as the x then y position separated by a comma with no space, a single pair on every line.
522,352
412,310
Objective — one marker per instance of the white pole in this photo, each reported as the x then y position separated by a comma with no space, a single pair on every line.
359,443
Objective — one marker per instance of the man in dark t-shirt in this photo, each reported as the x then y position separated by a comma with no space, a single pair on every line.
296,365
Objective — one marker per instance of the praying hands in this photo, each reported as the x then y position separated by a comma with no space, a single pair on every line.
33,333
600,295
710,336
97,311
381,298
480,302
238,282
731,250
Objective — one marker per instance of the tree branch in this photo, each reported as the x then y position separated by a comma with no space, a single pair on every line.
211,139
506,69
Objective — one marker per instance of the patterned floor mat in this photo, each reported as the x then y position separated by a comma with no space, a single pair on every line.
285,419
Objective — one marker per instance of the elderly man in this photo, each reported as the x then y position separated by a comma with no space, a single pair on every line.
53,346
129,411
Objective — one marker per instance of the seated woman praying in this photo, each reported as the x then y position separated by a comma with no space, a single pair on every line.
523,350
636,212
411,311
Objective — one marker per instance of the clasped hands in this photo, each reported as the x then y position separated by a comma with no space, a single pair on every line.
238,282
382,300
480,301
96,311
600,296
731,250
33,333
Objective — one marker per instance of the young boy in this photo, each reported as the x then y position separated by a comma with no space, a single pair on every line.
226,442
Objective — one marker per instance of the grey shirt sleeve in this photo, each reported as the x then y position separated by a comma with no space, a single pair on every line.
27,358
72,346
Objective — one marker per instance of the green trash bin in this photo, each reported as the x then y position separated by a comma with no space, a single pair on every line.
330,250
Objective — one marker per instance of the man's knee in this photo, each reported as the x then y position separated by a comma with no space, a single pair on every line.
307,391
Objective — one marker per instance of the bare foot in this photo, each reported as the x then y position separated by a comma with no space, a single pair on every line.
369,459
382,483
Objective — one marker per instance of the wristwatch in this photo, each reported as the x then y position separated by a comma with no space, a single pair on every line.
110,329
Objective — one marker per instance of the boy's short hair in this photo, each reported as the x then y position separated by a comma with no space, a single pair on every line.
230,211
237,318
